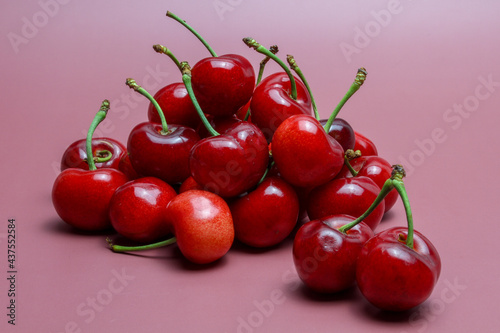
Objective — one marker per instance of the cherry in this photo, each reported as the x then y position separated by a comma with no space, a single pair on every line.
126,167
220,124
341,131
190,184
304,154
202,225
138,209
107,153
374,167
232,163
159,150
81,197
398,268
177,106
325,257
364,145
351,196
267,215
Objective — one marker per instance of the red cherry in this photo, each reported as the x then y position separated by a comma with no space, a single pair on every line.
272,104
365,145
232,163
223,84
107,149
177,106
190,184
220,124
304,154
267,215
341,131
138,209
393,276
126,167
165,156
202,224
377,169
324,257
351,196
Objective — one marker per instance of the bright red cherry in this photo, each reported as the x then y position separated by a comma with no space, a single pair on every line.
324,257
138,209
107,153
365,145
267,215
351,196
304,154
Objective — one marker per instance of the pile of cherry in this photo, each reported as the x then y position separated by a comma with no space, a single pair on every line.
226,156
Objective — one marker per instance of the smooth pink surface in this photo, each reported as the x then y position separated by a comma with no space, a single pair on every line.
426,61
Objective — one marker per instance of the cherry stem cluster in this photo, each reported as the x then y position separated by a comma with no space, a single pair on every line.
164,50
122,248
186,78
99,117
394,182
250,42
358,82
133,85
194,32
293,65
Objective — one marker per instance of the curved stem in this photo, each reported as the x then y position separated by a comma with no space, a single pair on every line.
194,32
133,85
250,42
347,163
102,156
99,117
348,157
120,248
164,50
273,49
296,69
397,174
186,78
388,187
358,82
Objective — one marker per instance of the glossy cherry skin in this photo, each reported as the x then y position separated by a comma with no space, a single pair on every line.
304,154
377,169
138,209
394,277
267,215
176,106
222,85
326,258
271,102
190,184
341,131
351,196
81,197
231,163
126,167
202,224
163,156
75,156
365,145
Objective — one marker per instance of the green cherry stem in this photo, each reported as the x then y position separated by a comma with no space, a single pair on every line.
358,82
186,78
99,117
133,85
273,49
164,50
121,248
293,65
102,156
395,181
250,42
348,157
194,32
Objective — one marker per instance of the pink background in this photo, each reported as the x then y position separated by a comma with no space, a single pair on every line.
425,59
